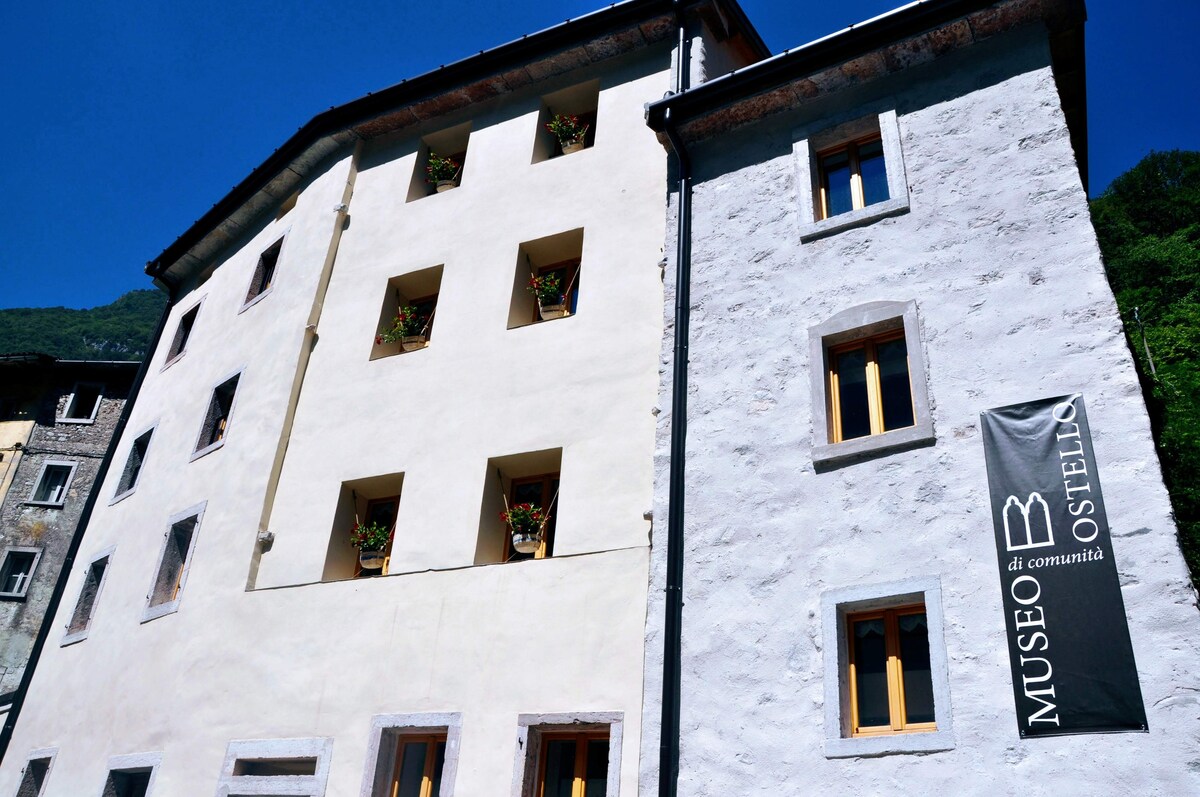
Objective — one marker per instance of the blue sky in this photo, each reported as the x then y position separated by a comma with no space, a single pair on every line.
123,121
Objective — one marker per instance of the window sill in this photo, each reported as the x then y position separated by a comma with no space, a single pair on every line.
854,218
72,639
256,300
200,452
116,499
12,596
161,610
172,361
47,504
890,744
81,421
871,445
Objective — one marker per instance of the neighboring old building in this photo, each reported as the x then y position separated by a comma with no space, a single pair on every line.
225,637
890,236
56,420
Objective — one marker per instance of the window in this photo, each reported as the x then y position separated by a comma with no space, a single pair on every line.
412,755
542,492
414,294
578,101
264,274
89,594
52,484
133,465
83,403
131,775
886,675
174,562
569,755
182,333
849,175
276,766
449,148
216,421
527,478
36,773
17,571
548,275
868,383
373,500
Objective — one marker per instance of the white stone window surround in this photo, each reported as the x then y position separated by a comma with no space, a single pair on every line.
863,321
122,495
71,637
37,484
70,405
299,785
20,594
836,604
47,754
813,139
172,606
171,359
237,389
279,240
386,731
531,726
135,762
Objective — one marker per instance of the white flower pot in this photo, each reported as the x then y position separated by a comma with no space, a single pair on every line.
445,185
371,560
548,311
573,146
526,543
412,342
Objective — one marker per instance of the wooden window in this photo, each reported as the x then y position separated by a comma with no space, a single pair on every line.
382,511
890,679
573,765
541,491
567,274
419,764
173,567
869,387
852,176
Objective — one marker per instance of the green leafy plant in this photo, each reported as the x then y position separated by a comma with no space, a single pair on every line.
440,169
546,288
370,536
567,128
406,324
524,518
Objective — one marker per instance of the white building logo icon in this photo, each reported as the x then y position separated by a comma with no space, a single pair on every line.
1036,524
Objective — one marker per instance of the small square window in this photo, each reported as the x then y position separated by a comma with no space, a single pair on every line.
412,755
546,285
83,403
519,515
891,687
408,312
264,273
173,564
276,766
133,465
869,386
371,502
35,775
852,176
216,420
52,485
570,754
17,571
182,333
573,108
441,162
85,606
128,783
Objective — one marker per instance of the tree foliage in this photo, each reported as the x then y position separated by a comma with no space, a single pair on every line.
117,331
1148,223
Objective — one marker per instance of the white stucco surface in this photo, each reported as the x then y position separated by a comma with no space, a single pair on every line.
999,255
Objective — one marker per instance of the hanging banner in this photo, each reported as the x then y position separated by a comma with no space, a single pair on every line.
1068,640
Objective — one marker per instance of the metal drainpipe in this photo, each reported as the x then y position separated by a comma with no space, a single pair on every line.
60,586
668,764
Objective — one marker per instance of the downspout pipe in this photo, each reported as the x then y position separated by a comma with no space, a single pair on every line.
60,586
668,765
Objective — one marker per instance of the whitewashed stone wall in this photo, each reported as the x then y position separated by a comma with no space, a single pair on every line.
999,254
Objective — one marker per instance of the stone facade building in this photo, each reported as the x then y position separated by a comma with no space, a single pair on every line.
57,418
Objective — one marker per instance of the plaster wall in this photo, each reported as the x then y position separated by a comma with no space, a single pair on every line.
293,658
998,253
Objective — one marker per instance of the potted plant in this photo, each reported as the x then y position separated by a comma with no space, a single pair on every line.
442,172
570,132
371,540
548,291
527,523
406,329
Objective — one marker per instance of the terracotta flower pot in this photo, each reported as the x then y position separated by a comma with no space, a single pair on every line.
549,311
371,560
412,342
573,146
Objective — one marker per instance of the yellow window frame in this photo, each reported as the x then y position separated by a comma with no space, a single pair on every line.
851,148
431,743
579,778
897,709
874,384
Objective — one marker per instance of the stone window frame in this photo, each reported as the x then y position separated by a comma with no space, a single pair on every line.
156,610
809,142
47,754
320,748
178,348
836,605
530,728
71,637
278,243
134,762
863,321
37,558
385,733
120,495
37,483
201,451
91,418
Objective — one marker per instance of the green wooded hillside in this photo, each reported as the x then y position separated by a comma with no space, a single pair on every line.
117,331
1148,223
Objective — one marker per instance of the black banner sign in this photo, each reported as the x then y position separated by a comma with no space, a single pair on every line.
1068,640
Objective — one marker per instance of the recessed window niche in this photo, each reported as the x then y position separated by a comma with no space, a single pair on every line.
416,293
556,263
375,499
450,143
528,478
580,101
